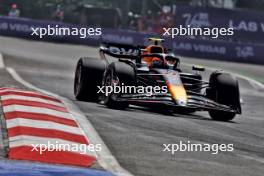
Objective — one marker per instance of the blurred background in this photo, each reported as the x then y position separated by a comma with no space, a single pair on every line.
140,15
119,18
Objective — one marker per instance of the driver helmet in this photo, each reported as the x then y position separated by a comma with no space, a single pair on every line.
156,63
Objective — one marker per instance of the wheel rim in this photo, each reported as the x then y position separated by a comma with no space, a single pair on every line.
111,80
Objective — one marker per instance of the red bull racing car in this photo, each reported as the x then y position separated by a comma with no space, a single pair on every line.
154,66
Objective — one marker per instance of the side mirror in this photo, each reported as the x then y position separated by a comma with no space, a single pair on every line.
198,68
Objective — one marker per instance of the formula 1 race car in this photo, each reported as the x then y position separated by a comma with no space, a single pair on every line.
154,65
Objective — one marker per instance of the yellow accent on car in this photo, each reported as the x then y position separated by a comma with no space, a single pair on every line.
178,94
156,40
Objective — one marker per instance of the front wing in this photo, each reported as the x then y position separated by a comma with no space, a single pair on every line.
196,102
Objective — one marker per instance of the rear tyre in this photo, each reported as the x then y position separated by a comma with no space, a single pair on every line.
223,89
88,75
120,74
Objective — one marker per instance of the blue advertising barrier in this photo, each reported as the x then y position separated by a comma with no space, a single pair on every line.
248,25
220,50
19,168
200,48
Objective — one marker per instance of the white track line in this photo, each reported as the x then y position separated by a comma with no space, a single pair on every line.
29,93
26,98
16,122
40,110
104,157
2,64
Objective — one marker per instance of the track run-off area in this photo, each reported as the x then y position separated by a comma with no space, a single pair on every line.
133,139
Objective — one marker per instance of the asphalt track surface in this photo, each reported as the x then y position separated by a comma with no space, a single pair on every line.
136,136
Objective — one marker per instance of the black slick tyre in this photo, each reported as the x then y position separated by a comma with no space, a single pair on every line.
88,75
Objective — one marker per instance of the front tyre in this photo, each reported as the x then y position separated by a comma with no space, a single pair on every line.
88,75
224,90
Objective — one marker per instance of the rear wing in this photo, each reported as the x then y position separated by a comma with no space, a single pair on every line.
126,51
121,50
